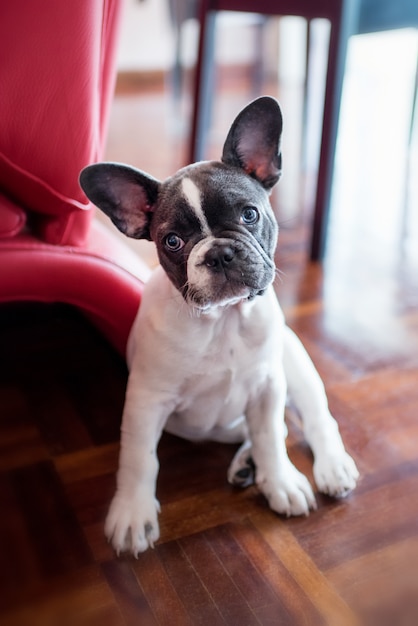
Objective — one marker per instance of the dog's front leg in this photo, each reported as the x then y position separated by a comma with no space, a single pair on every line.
334,470
286,489
132,521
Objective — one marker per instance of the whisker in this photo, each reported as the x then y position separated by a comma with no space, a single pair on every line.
279,275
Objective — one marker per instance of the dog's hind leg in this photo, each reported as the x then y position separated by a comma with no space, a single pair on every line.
241,472
334,470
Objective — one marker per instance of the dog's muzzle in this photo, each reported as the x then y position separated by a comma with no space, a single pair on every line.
224,271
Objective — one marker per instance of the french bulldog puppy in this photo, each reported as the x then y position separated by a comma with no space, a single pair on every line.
209,354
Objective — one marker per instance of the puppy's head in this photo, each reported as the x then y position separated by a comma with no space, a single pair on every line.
212,222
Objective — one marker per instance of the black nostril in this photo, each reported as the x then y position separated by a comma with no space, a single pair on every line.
228,254
219,256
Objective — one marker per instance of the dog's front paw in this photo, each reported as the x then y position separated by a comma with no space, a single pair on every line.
335,474
290,495
132,523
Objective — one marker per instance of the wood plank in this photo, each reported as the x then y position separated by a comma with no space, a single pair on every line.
378,514
231,603
299,564
57,540
382,584
160,591
71,600
90,462
129,597
200,604
290,603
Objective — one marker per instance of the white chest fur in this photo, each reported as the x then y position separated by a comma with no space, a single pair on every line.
205,366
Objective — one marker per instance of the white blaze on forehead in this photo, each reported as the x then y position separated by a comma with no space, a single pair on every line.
192,194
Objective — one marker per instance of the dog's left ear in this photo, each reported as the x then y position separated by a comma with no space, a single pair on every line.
253,142
127,195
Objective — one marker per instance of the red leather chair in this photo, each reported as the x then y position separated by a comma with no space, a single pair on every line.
57,77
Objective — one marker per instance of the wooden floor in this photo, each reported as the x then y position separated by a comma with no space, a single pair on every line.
223,557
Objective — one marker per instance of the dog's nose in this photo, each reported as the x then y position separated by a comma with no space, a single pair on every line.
219,257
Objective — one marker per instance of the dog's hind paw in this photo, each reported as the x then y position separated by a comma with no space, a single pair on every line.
132,524
335,475
241,472
245,476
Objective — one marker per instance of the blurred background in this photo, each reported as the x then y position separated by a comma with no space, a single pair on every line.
374,191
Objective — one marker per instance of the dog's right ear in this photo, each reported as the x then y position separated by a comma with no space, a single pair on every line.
125,194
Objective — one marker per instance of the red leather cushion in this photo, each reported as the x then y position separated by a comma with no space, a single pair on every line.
12,218
104,279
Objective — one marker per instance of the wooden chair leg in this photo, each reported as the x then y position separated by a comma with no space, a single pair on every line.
204,84
344,25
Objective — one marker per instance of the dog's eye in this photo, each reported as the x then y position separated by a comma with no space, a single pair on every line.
173,242
249,215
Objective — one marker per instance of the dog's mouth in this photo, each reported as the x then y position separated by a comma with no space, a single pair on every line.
204,301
